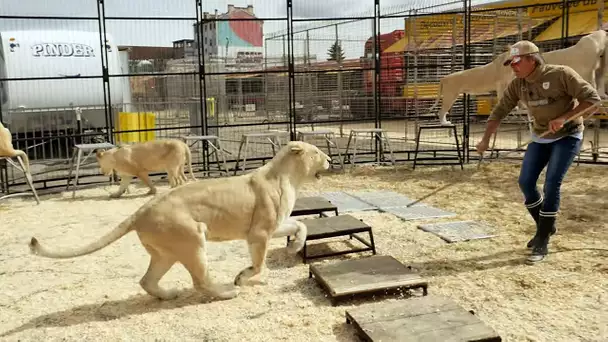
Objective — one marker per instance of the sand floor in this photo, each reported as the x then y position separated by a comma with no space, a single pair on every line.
98,298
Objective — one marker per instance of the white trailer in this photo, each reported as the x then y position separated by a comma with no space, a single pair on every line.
31,104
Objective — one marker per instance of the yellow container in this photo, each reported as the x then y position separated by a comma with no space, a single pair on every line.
128,121
484,105
211,106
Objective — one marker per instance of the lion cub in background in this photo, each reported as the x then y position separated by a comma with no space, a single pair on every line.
139,159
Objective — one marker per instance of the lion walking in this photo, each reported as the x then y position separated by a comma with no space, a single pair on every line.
255,207
139,159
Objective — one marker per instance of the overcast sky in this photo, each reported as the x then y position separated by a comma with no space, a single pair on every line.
162,33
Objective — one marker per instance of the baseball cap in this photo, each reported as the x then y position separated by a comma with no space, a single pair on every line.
521,48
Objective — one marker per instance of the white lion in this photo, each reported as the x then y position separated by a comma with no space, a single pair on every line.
175,226
139,159
587,57
7,149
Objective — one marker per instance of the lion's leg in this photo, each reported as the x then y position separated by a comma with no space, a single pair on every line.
173,175
258,247
159,266
197,267
195,261
291,227
181,176
146,179
448,100
125,180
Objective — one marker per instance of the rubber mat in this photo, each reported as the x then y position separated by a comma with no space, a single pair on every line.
345,202
383,199
459,230
416,212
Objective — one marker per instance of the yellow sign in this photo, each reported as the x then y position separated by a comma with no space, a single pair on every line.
547,8
425,27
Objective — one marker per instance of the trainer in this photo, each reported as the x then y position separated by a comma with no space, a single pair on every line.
548,91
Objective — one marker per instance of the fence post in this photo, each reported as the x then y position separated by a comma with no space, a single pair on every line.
595,148
466,46
106,75
104,70
377,53
565,13
202,80
290,71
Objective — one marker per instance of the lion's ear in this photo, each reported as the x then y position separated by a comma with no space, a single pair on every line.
296,149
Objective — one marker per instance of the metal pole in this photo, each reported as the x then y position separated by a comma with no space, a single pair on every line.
414,40
290,70
202,93
377,58
466,44
520,34
103,71
266,79
107,73
564,24
595,149
339,80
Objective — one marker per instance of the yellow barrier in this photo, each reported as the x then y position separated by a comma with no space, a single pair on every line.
128,121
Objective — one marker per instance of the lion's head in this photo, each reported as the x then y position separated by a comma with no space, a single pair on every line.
105,159
302,159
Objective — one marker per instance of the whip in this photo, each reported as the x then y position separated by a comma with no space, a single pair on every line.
579,114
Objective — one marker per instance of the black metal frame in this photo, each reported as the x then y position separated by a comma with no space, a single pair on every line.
292,123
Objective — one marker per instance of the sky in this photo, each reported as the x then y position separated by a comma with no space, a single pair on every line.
163,32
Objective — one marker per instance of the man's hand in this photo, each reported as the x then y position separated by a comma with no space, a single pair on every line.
556,124
482,146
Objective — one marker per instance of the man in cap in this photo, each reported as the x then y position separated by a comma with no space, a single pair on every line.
548,91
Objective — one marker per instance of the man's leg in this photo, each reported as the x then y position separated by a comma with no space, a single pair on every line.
535,159
562,155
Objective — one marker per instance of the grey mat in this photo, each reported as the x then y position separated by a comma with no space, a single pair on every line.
345,202
383,199
416,212
459,230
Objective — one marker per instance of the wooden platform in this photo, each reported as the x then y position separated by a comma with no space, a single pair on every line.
370,275
313,206
333,226
423,319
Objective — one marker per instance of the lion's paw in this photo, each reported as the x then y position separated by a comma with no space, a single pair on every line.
115,195
169,294
224,293
294,246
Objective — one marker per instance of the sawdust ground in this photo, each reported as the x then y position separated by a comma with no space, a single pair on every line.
98,298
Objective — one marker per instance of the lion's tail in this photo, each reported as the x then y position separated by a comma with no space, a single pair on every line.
26,159
189,160
115,234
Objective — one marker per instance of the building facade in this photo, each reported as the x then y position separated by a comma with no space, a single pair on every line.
235,35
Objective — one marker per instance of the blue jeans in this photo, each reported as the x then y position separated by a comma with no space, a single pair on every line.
557,156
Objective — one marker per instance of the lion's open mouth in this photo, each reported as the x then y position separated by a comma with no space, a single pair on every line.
318,175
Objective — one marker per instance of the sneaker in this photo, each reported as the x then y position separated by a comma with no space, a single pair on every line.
538,254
